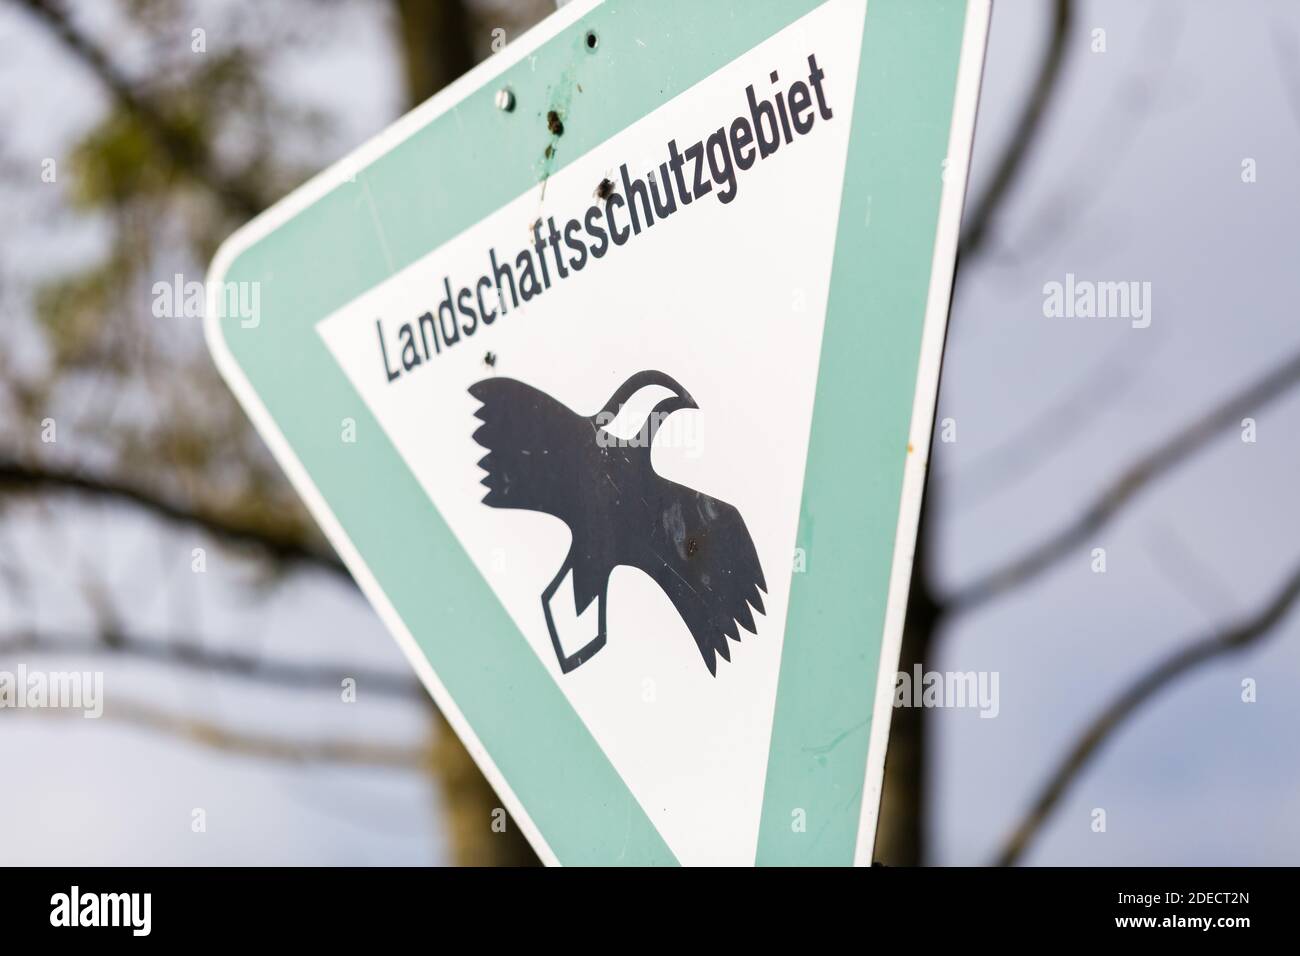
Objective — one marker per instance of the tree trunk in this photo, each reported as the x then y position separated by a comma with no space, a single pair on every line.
479,831
436,41
900,831
437,44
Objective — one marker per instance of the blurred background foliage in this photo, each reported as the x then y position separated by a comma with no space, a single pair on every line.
191,144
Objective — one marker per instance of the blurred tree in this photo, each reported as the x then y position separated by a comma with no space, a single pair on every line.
182,156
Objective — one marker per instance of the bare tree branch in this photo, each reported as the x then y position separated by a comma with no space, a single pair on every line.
192,156
189,654
1049,432
16,478
1143,691
1151,466
261,746
980,217
900,837
184,150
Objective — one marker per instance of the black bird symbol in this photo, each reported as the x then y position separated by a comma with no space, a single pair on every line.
544,457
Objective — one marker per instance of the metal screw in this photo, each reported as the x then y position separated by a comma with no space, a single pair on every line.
505,99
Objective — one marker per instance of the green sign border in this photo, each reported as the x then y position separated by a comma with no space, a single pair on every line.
341,235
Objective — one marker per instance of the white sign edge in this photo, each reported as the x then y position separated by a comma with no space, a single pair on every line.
961,134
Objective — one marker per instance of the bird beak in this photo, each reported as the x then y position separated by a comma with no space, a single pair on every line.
687,401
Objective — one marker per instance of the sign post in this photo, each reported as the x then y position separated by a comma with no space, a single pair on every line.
610,373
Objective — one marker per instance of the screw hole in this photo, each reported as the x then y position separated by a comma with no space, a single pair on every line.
593,41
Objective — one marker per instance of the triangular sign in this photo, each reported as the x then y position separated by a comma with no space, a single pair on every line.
609,372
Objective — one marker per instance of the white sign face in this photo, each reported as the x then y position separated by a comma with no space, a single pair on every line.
688,742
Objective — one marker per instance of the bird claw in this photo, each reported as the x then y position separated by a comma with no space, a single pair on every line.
570,662
575,660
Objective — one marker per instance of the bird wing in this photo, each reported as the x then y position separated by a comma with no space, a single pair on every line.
535,447
704,559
